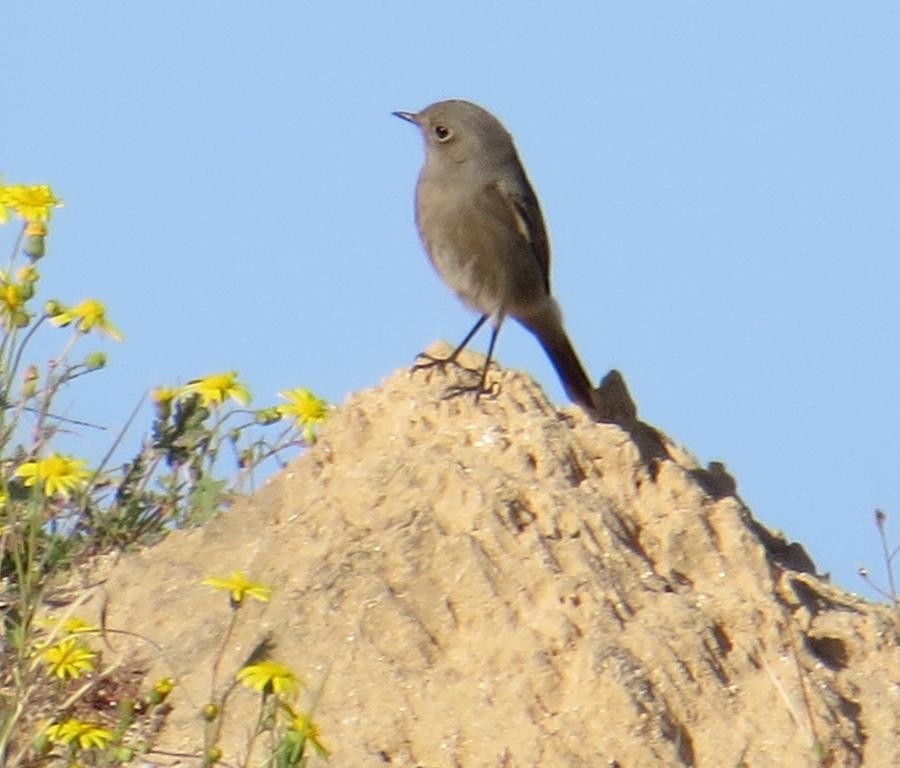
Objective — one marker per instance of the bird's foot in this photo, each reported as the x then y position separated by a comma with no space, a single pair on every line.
424,361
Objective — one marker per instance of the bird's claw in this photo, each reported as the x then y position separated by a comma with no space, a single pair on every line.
424,361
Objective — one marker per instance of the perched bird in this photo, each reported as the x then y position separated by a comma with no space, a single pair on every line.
481,225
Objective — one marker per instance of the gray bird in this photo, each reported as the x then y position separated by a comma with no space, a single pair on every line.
481,225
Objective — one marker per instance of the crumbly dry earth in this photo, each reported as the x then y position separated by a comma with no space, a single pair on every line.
506,585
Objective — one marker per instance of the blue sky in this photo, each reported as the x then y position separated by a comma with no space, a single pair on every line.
721,184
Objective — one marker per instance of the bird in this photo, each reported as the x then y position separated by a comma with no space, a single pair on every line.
481,226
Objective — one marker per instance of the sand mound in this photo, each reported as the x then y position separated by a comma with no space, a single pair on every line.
502,584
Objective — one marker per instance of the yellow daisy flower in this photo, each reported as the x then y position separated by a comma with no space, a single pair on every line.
69,658
84,734
87,315
269,677
31,203
12,302
59,474
239,586
71,626
74,625
12,299
305,408
218,387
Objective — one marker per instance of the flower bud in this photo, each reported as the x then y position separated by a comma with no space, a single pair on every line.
161,691
30,381
34,247
35,229
41,744
95,361
53,308
268,416
28,274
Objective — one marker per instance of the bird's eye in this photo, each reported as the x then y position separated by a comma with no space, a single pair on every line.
442,132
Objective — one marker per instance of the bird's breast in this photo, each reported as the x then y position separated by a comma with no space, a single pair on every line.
480,254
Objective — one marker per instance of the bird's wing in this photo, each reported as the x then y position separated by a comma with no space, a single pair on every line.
526,212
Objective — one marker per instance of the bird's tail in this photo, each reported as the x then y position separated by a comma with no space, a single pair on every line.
548,328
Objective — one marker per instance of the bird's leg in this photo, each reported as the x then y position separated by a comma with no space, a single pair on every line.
427,361
487,363
481,388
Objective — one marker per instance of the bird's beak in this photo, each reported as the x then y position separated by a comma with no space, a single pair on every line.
410,117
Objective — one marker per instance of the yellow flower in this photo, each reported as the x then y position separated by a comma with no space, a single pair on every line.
74,625
307,730
238,585
11,298
4,214
71,626
305,408
59,474
12,302
89,314
269,677
85,735
218,387
68,658
31,203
